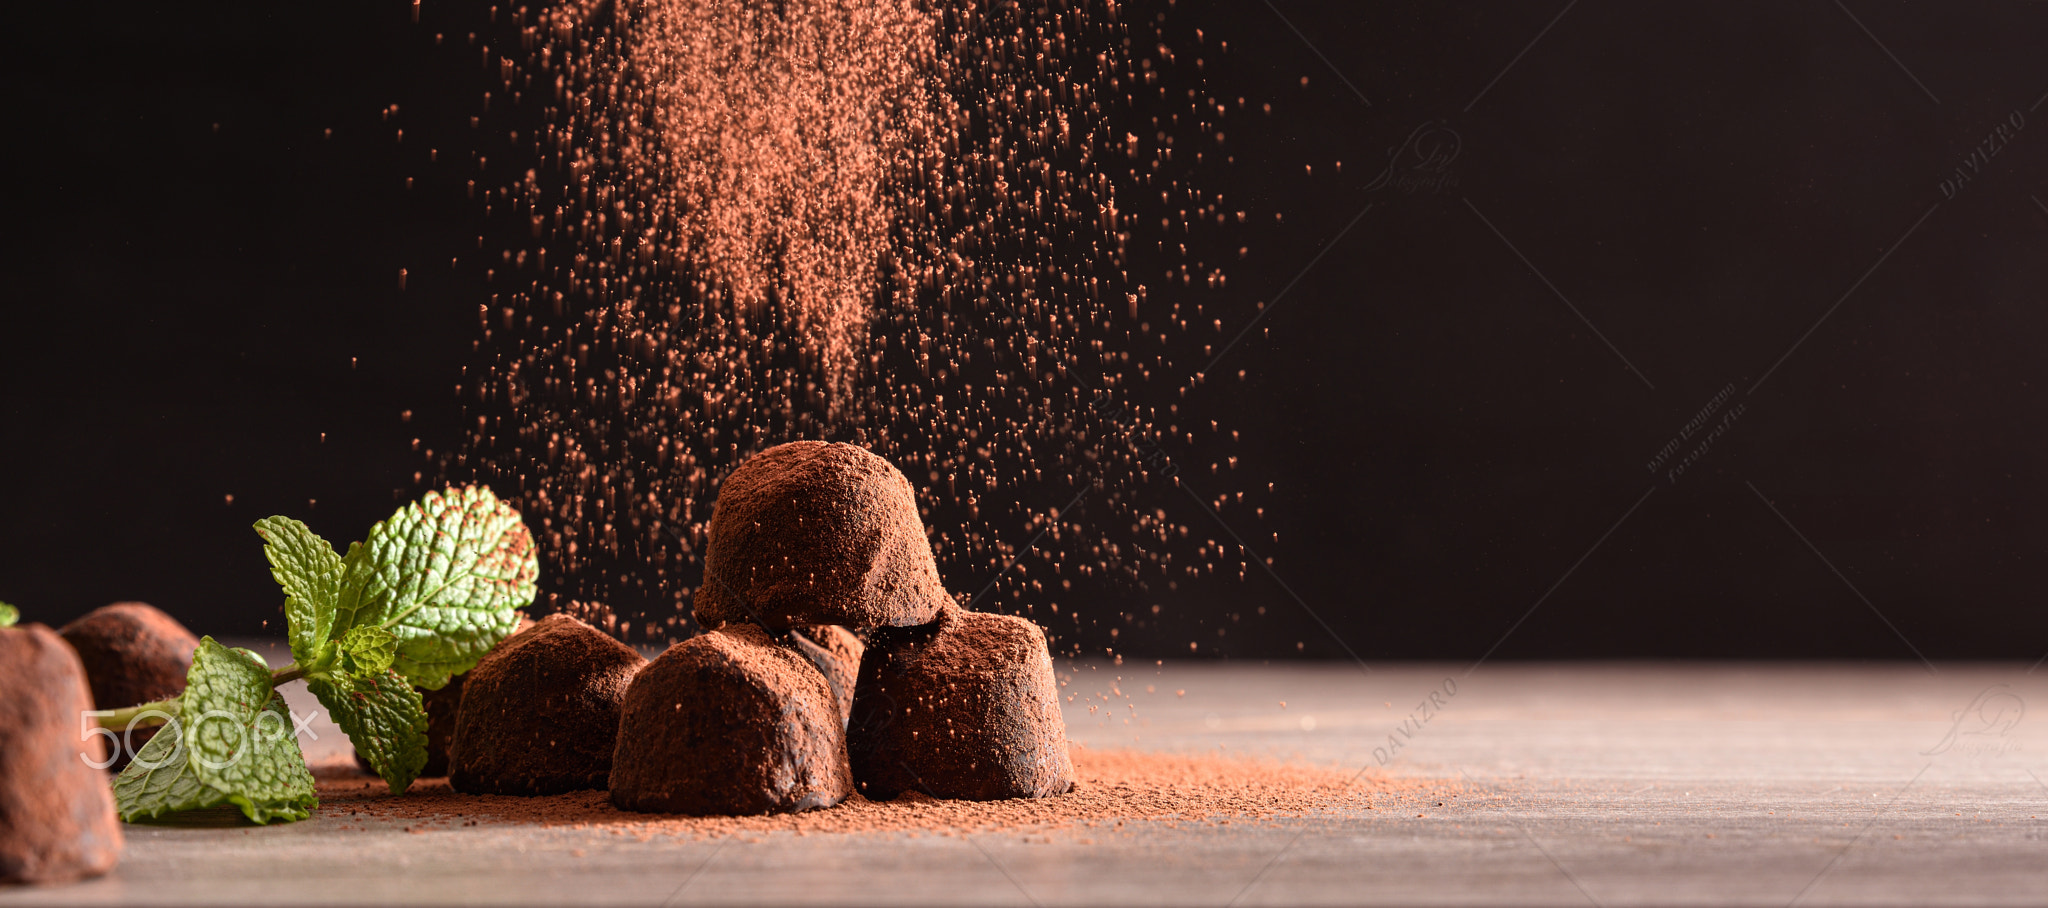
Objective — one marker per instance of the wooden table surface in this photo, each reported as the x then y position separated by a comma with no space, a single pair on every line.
1578,784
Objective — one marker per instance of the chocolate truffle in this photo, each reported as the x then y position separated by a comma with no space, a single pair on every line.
729,722
836,653
965,707
540,714
56,813
815,533
133,653
442,706
441,709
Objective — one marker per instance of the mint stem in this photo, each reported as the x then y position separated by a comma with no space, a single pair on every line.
287,674
123,718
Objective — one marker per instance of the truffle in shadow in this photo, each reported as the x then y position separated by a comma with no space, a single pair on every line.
835,651
133,654
540,714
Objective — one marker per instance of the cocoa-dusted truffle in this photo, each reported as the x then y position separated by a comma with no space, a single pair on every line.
815,533
729,722
133,654
442,706
836,653
540,714
56,813
965,707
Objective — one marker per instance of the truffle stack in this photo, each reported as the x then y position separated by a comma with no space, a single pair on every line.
808,539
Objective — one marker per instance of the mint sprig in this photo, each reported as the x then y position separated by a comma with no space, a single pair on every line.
238,735
160,781
8,615
231,743
384,717
445,575
428,594
367,651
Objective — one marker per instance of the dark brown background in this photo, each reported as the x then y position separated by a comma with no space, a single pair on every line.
201,284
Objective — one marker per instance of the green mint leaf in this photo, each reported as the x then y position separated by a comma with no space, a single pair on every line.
8,615
383,717
160,780
444,575
369,649
311,574
239,736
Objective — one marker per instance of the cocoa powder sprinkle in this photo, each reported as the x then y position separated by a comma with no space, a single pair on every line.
1115,786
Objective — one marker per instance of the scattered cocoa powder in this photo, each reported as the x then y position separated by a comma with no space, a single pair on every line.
894,222
1114,786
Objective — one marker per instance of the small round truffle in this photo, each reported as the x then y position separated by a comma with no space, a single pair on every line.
442,706
965,707
836,653
133,653
815,533
57,819
729,722
540,714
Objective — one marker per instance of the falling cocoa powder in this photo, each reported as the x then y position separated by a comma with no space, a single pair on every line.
982,239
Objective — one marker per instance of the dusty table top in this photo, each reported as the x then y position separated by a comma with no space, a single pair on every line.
1561,783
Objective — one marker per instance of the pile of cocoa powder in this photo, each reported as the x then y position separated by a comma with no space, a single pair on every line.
1114,786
